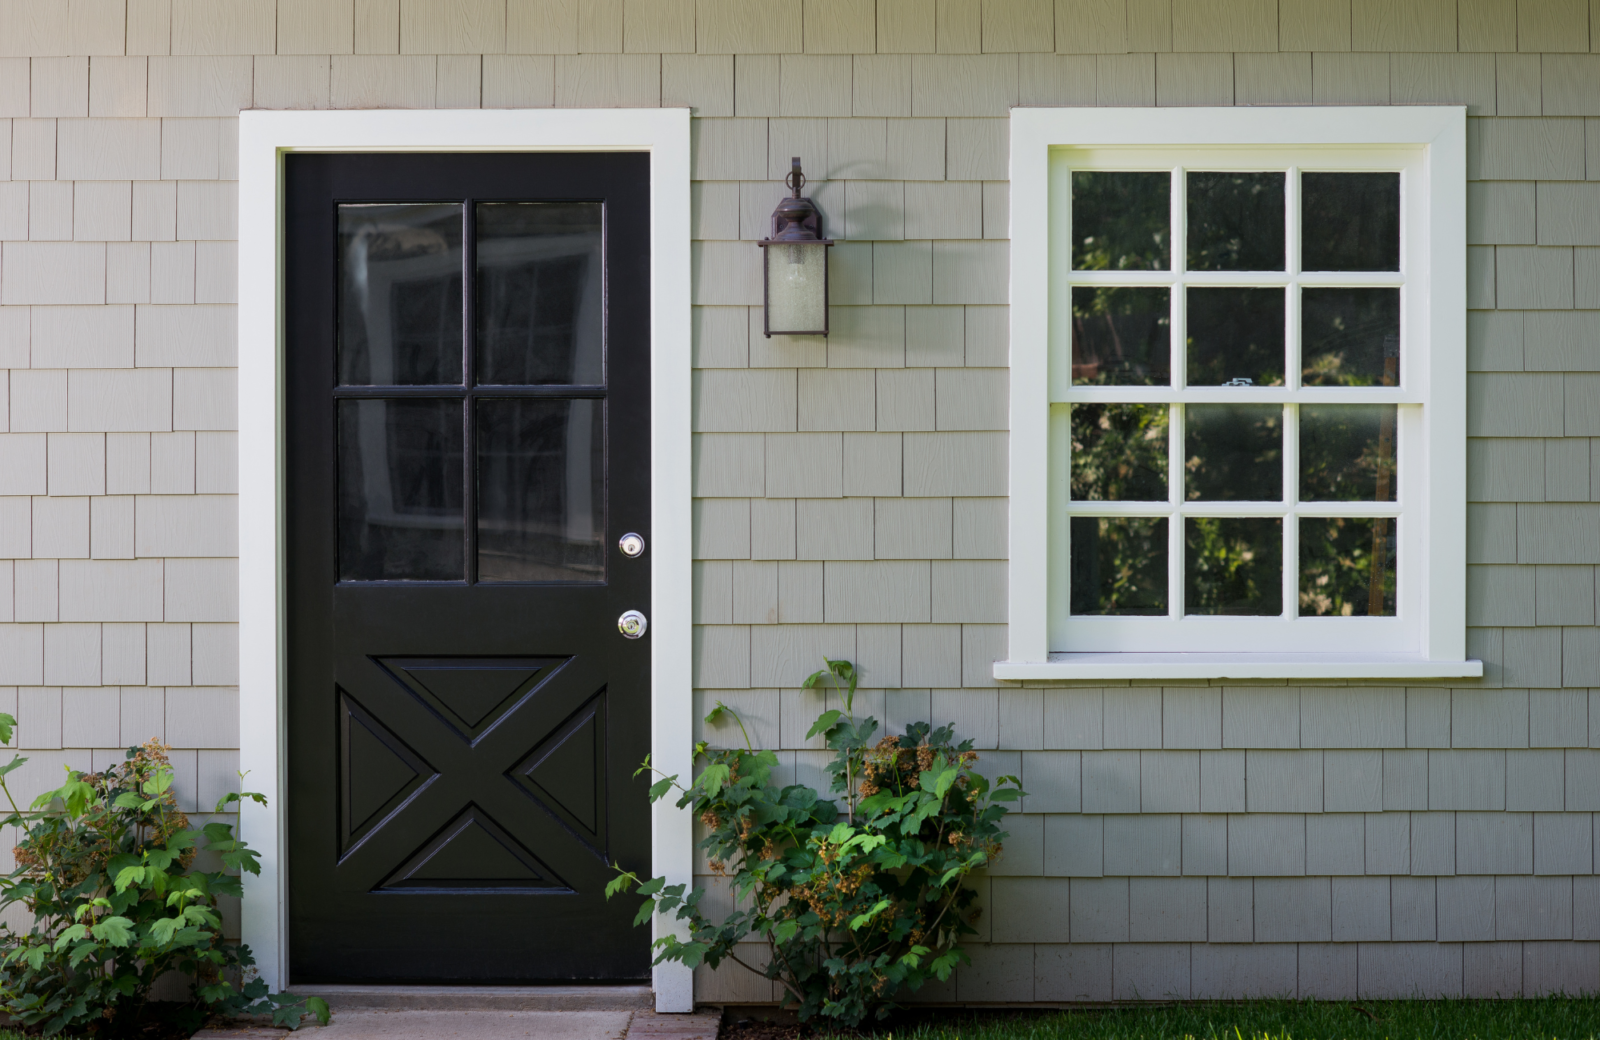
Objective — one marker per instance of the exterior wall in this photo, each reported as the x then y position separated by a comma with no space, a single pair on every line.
851,492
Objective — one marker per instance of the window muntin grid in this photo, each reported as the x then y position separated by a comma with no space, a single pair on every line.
1174,628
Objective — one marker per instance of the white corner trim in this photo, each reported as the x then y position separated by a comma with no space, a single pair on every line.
264,137
1436,645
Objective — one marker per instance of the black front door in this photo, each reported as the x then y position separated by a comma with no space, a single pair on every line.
467,364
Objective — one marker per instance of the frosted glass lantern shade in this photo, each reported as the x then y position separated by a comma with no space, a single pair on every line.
796,278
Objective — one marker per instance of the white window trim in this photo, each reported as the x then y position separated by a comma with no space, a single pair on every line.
264,139
1440,131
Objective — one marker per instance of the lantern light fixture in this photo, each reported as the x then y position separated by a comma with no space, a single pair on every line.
794,266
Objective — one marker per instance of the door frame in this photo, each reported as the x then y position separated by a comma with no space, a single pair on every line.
264,139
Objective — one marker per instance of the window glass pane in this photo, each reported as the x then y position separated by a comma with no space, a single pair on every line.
1119,565
1120,221
541,490
1236,221
400,294
1235,337
400,491
1233,452
1121,336
1347,566
540,293
1119,452
1233,565
1347,453
1350,222
1350,337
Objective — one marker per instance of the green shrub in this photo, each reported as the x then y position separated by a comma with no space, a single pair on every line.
107,867
857,902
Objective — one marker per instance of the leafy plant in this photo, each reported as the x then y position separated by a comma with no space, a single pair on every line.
857,903
107,867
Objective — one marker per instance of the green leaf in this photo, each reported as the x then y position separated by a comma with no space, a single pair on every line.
118,931
861,920
7,725
16,760
824,722
319,1008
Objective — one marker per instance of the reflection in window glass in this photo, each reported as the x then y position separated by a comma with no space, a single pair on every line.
1121,336
400,490
1350,337
1120,221
1350,222
1233,565
400,294
540,293
1347,453
1235,337
541,490
1236,221
1119,565
1119,452
1233,452
1347,566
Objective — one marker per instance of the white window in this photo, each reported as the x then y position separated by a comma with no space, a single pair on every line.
1238,393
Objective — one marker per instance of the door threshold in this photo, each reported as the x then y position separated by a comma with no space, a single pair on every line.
598,997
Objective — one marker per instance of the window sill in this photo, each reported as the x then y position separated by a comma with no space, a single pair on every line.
1127,666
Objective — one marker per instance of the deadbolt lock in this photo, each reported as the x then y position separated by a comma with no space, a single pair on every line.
631,544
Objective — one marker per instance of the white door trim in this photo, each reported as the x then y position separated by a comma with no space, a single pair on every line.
264,138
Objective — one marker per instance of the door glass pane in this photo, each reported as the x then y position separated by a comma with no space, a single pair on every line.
1347,566
400,294
1121,221
1347,453
541,490
400,491
1121,336
1350,337
1235,337
540,293
1236,221
1119,452
1119,565
1350,222
1233,565
1233,452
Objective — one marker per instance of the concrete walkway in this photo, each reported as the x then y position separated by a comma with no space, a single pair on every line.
408,1024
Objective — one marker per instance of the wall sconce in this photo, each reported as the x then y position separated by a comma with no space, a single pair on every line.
794,271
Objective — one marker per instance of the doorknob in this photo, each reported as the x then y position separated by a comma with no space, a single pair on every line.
632,624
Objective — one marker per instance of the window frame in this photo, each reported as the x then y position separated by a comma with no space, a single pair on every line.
1428,640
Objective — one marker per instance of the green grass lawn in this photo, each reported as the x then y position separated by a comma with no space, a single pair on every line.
1544,1017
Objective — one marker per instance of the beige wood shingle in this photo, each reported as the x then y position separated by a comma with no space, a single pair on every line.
1552,25
1351,79
59,87
1419,25
300,81
1487,25
199,86
840,26
68,27
1044,79
1194,79
703,82
881,85
1125,79
600,27
50,211
866,337
656,26
1445,78
607,80
905,400
452,26
518,81
1272,78
1314,25
835,529
316,26
748,26
906,26
1019,26
916,149
1149,25
963,85
958,26
541,26
1518,87
1224,25
1525,149
815,85
377,28
1091,26
970,272
224,26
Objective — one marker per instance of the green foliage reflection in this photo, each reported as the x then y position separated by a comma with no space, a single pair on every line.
1119,565
1233,565
1120,221
1119,452
1236,221
1121,336
1347,566
1347,453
